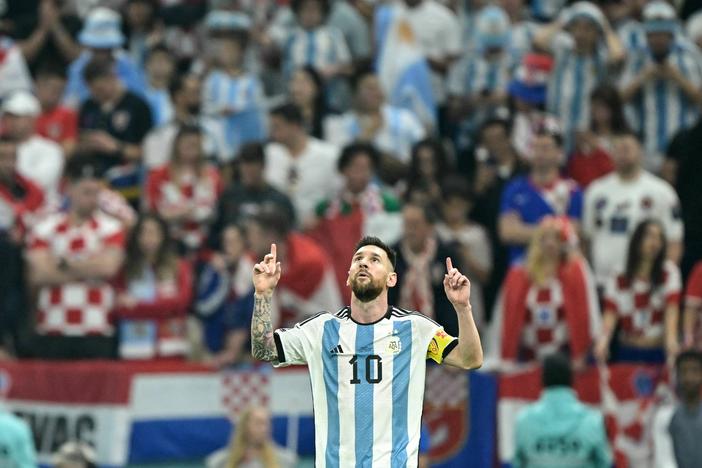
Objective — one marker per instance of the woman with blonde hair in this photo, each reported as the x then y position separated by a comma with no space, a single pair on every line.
549,303
251,445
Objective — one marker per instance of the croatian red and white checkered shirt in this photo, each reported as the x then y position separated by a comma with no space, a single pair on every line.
199,194
76,308
545,327
641,312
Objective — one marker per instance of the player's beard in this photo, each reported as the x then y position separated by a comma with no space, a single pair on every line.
366,291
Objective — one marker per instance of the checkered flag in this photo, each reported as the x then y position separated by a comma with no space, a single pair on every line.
446,387
239,390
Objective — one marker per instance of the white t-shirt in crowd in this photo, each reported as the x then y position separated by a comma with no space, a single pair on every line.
308,178
41,161
613,209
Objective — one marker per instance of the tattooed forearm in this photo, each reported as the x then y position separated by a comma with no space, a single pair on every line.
262,343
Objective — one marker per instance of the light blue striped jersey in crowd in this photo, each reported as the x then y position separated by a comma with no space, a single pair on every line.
573,78
159,101
662,108
242,98
474,74
318,48
367,383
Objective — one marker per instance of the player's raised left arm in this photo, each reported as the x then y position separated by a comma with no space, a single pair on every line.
468,353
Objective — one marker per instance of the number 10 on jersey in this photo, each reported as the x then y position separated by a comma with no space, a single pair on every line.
373,361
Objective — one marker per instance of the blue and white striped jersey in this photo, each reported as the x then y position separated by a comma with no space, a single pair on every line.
318,48
661,108
238,102
367,383
159,101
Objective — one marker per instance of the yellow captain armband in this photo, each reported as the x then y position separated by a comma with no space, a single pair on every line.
440,345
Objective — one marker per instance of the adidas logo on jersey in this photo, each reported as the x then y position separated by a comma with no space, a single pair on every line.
336,350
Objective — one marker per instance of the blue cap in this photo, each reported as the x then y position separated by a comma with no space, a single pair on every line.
221,20
102,30
492,27
659,17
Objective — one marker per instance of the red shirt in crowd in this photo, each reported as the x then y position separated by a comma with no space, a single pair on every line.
59,124
585,168
156,327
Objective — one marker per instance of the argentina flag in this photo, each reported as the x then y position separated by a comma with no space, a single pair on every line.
403,70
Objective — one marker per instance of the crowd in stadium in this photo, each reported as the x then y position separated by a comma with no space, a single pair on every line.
151,151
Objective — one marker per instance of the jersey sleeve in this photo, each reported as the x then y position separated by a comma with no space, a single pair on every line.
295,345
672,216
440,345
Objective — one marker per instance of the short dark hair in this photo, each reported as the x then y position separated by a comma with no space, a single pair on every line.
252,152
273,219
295,6
688,355
98,67
372,240
456,186
178,82
289,112
51,70
350,152
557,371
84,166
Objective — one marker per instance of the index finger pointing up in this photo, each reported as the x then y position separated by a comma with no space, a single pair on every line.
449,264
274,253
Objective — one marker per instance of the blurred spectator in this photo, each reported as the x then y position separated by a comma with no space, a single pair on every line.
75,455
421,264
246,196
312,42
392,130
497,163
521,29
693,28
682,168
662,82
542,192
429,165
302,167
352,18
361,208
693,308
38,159
56,121
73,256
478,82
251,445
549,302
113,122
184,192
618,202
21,205
16,442
102,38
559,430
470,239
224,301
142,28
306,90
160,68
677,430
153,295
644,300
528,90
186,96
585,49
593,147
47,33
438,36
14,75
230,93
308,284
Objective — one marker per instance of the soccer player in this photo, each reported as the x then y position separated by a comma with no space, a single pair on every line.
367,361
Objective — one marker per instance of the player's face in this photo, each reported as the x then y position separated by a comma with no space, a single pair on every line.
370,273
652,242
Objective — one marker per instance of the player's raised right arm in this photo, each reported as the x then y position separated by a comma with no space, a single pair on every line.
265,278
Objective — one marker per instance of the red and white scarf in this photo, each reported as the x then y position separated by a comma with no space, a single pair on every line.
416,293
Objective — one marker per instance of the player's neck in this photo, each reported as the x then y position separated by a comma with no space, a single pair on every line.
369,312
